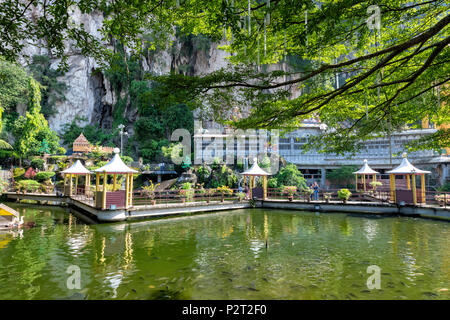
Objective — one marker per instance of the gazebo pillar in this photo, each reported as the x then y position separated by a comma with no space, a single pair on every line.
104,191
356,182
408,182
414,189
364,181
70,184
114,181
76,184
264,187
392,183
97,181
87,184
65,182
422,187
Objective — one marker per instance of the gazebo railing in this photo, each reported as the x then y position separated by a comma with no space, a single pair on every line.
140,197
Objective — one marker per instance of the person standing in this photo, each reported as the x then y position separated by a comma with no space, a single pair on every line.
316,191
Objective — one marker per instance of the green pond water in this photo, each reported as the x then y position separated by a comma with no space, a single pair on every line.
224,256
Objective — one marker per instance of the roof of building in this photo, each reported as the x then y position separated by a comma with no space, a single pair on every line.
365,169
81,139
116,165
406,167
255,170
76,168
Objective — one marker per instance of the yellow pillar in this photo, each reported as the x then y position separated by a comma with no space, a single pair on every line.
114,181
264,187
374,177
76,183
250,185
392,182
126,189
422,186
104,191
364,181
356,182
408,182
70,184
97,181
414,189
65,182
87,184
131,190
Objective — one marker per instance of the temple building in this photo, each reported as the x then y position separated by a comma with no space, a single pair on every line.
82,145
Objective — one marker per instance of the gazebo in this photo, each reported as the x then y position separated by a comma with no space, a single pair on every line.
408,196
76,170
363,172
114,198
252,173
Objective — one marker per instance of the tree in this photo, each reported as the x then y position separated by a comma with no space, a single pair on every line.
52,89
343,176
290,176
361,82
32,130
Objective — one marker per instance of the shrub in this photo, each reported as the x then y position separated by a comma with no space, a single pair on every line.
27,186
241,196
272,183
127,160
44,175
61,151
290,190
149,191
375,184
18,172
344,194
38,163
225,190
291,176
3,186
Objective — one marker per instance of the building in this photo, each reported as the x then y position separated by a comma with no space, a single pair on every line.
210,140
82,145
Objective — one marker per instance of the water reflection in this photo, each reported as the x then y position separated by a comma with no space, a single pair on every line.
248,254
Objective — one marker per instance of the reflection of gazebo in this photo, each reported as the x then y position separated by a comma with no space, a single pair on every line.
252,173
118,198
408,196
76,170
364,172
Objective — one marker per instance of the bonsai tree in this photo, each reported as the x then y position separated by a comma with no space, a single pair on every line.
241,196
209,193
308,192
149,191
375,185
327,196
290,191
186,191
344,194
223,191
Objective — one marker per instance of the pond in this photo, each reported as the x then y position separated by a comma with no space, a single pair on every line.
243,254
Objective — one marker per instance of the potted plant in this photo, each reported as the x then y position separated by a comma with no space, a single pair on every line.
307,193
290,191
241,196
375,185
344,195
149,191
327,197
440,198
223,191
186,192
209,193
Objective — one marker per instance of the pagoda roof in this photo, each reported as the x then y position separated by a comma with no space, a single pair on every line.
255,170
76,168
81,139
116,165
406,167
365,169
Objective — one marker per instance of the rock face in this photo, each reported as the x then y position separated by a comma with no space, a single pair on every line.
90,96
